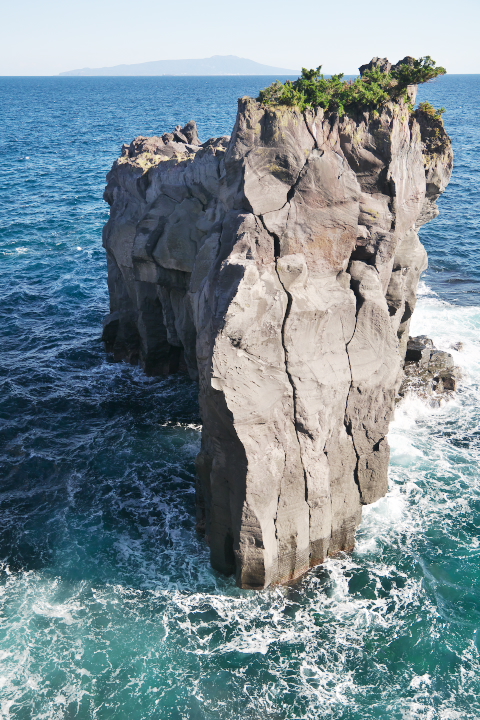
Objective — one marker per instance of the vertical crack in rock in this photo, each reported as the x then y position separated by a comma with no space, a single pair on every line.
289,376
347,422
236,261
276,244
310,131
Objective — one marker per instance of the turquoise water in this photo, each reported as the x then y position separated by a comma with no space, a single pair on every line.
109,609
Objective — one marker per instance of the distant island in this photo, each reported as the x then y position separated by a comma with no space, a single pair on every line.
215,65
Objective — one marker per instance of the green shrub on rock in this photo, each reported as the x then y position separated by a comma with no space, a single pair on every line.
374,88
429,109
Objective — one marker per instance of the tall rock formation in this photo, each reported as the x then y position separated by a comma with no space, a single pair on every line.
280,267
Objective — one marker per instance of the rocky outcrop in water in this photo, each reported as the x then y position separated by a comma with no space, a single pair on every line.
279,267
428,372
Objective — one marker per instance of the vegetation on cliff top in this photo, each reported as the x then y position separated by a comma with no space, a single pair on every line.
374,88
431,111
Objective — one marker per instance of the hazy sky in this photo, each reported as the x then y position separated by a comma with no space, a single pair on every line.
45,37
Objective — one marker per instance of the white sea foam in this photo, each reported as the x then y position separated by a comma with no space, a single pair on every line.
62,612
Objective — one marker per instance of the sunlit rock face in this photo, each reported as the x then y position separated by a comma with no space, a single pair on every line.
279,267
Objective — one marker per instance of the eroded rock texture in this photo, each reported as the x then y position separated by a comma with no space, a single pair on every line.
429,373
280,267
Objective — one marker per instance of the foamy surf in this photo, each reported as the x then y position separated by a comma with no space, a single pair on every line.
307,645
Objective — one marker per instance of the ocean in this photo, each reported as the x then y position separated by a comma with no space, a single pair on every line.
109,609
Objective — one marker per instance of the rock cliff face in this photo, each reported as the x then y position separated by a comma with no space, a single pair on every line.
279,266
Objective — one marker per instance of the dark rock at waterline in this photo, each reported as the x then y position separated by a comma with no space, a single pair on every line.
429,373
419,349
280,267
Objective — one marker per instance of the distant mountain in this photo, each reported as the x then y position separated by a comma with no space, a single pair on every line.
215,65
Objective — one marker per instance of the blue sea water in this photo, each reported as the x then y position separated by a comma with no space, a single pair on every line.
108,607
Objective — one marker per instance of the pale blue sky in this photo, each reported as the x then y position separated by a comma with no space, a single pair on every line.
45,37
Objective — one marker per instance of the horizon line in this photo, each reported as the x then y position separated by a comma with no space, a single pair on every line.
64,76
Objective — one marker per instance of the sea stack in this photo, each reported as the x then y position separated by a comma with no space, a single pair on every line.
279,267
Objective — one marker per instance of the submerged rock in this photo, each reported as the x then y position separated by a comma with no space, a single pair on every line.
280,268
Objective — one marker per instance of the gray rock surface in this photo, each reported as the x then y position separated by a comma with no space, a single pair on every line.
279,267
429,373
376,63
